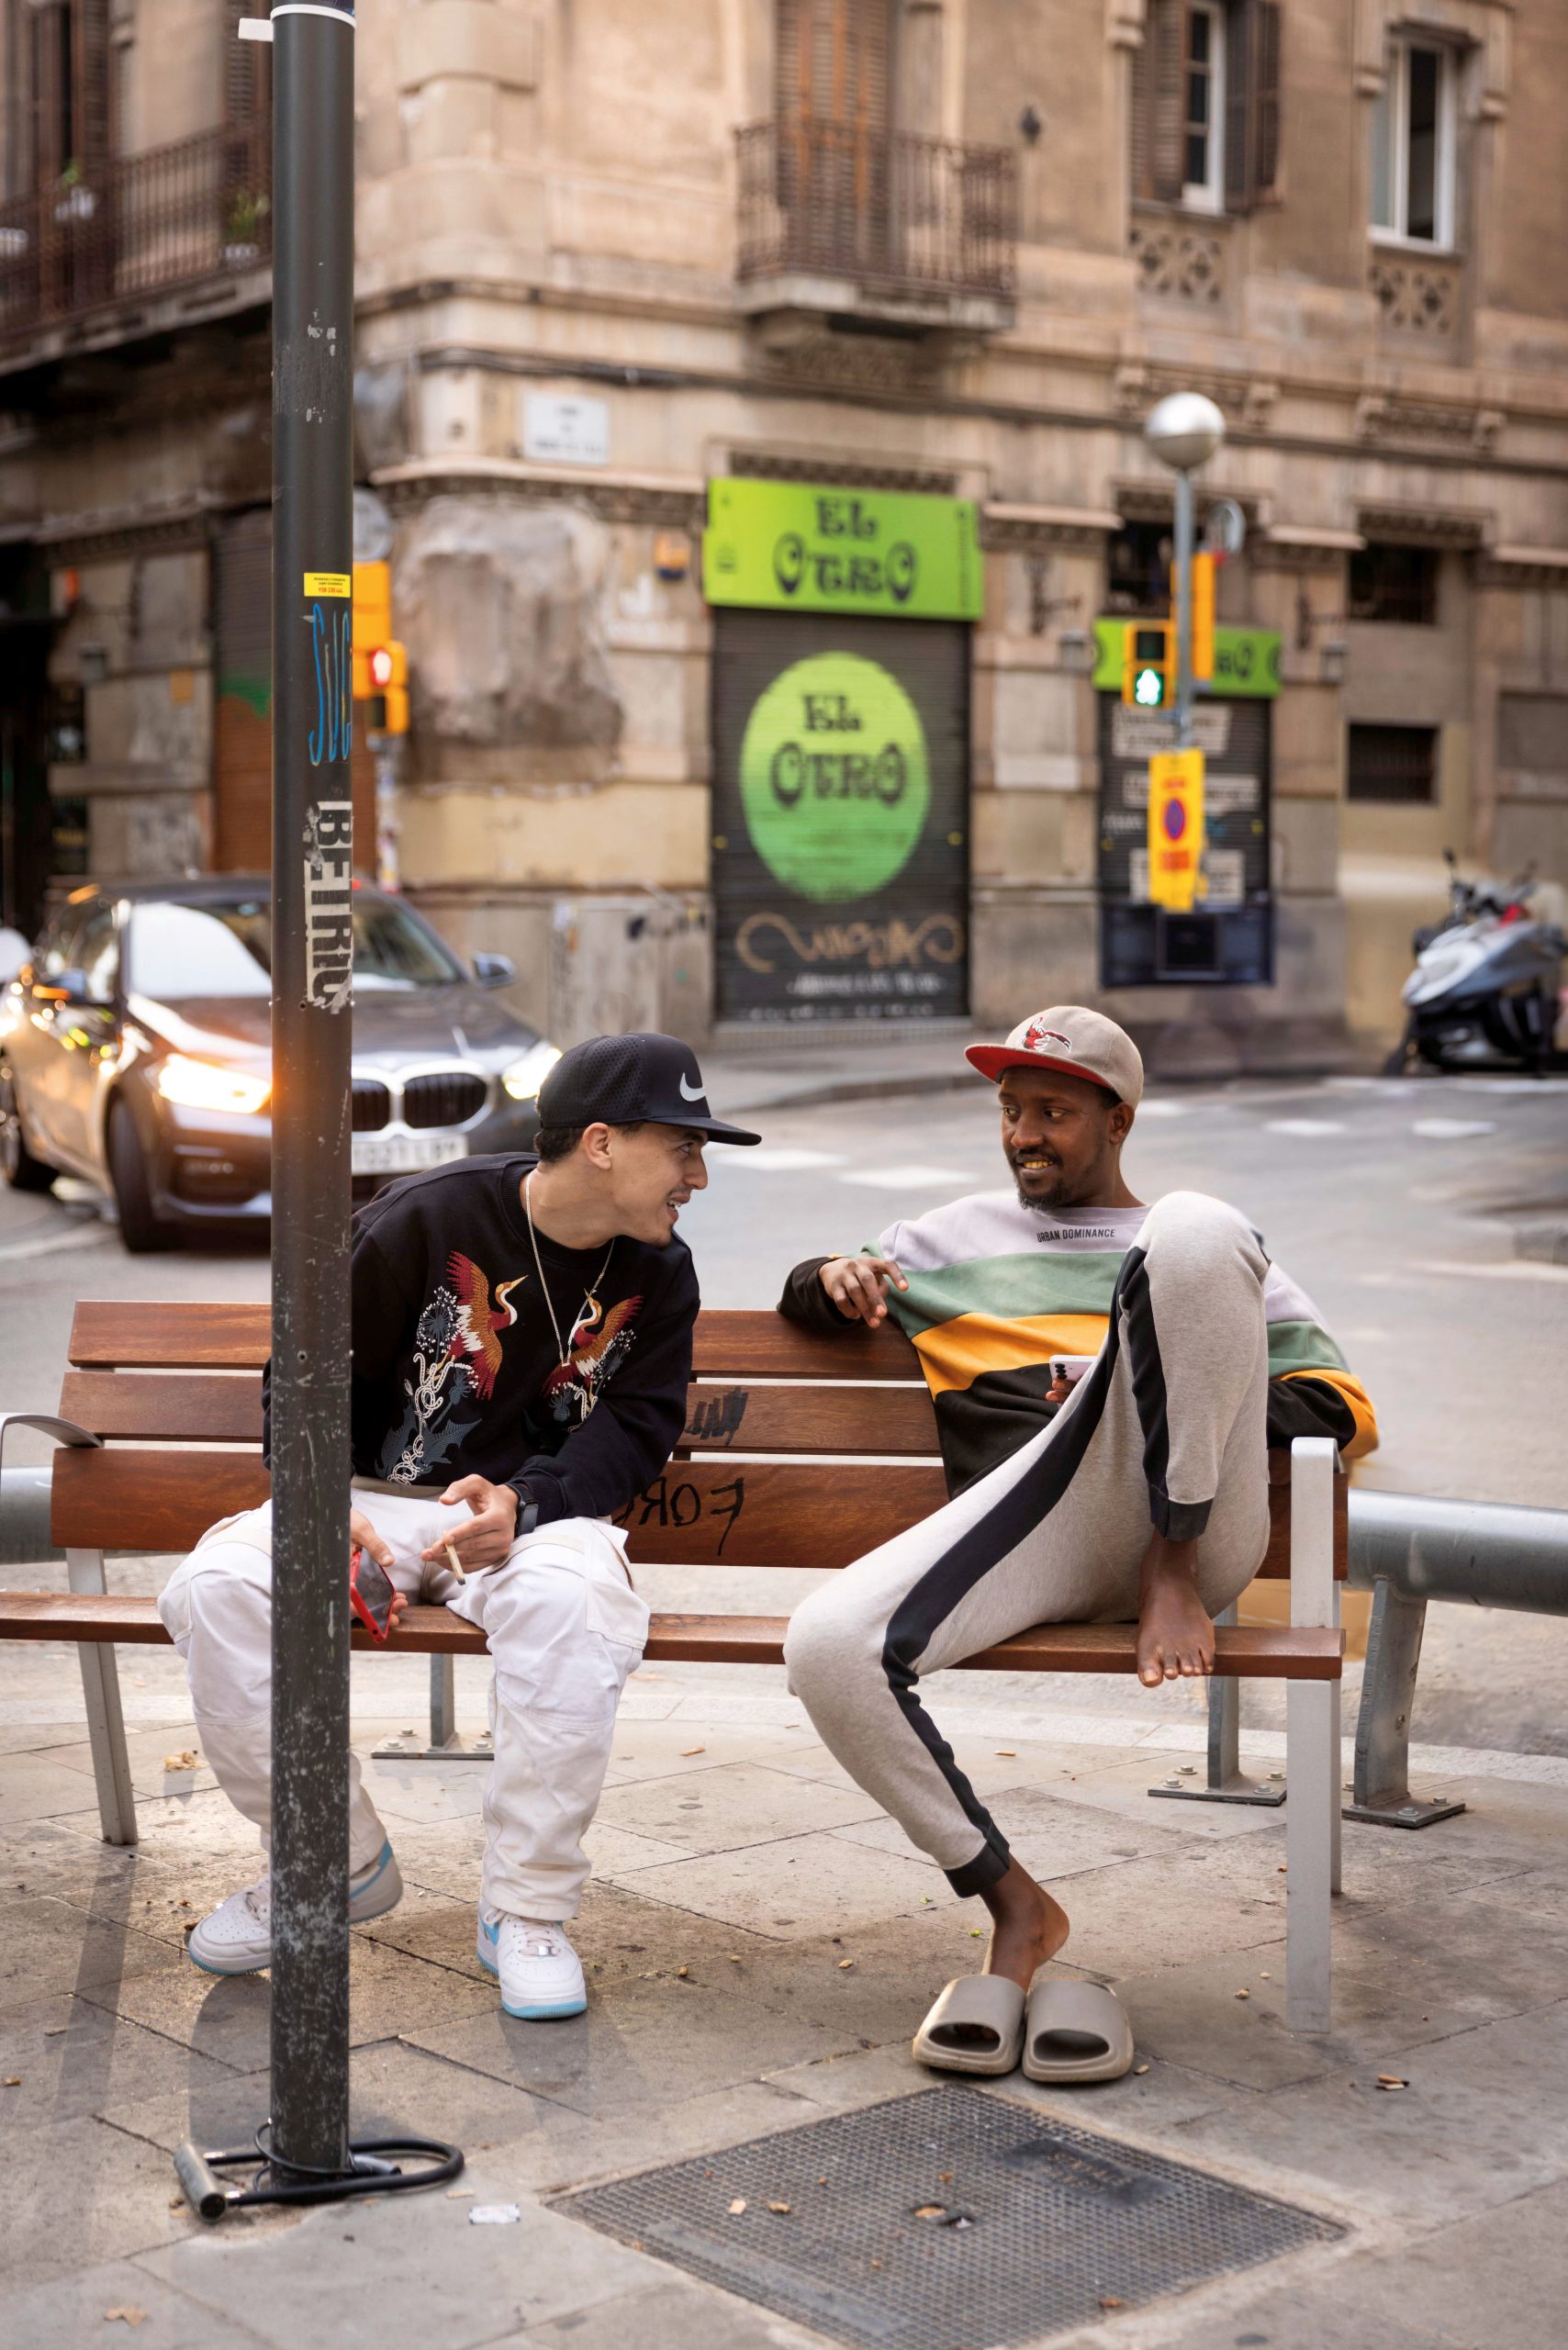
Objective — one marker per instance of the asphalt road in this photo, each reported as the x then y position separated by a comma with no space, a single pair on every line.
1389,1203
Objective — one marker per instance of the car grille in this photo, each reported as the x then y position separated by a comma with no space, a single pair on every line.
372,1105
448,1098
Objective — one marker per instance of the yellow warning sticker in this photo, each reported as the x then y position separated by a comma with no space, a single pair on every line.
328,583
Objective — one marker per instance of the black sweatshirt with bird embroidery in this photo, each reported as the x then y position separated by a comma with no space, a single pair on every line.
455,1366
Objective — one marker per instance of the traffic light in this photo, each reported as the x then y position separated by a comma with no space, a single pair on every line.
380,662
1202,614
1148,664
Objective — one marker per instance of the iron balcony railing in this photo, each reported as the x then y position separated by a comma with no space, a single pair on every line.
144,224
899,215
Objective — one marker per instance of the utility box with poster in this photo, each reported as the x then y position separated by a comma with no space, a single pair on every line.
1226,936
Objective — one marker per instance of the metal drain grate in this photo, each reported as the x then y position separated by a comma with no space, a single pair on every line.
947,2220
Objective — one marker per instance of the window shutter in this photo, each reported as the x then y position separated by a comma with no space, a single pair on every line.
90,45
1240,26
1267,37
831,59
1160,104
1251,104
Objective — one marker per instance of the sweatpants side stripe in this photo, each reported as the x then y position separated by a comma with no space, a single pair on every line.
1178,1521
949,1580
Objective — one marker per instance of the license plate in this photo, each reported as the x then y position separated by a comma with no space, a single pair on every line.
402,1154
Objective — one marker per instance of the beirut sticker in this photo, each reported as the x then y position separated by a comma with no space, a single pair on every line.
835,778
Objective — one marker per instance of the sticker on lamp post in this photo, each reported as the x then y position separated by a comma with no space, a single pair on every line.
1175,828
835,778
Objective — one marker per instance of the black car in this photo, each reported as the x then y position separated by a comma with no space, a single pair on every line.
134,1051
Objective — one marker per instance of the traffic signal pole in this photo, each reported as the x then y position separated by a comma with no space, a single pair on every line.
313,75
1184,732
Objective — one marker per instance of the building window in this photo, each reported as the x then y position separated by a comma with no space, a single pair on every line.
1137,570
1394,583
1203,131
1205,104
1392,765
1413,145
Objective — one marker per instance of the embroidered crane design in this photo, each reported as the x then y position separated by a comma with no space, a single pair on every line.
478,1324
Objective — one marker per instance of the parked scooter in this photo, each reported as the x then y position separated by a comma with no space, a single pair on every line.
1486,982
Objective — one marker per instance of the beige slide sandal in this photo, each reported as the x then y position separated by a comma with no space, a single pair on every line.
977,2026
1075,2032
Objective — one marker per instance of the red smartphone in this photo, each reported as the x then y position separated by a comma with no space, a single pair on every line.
371,1592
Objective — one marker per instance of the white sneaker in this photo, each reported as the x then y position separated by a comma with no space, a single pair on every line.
236,1937
541,1974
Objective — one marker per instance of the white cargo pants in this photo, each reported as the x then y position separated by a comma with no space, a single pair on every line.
564,1626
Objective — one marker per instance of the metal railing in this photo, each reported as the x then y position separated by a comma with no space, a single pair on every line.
894,212
145,224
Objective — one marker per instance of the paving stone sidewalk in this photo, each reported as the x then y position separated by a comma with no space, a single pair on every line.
761,1942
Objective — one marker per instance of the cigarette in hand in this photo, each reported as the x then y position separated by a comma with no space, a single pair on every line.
456,1563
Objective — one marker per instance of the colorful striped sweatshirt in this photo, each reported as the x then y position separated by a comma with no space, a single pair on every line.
995,1288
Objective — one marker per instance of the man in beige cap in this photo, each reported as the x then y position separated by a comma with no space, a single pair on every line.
1107,1377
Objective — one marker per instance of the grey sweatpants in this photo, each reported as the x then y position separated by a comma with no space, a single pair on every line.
1166,1430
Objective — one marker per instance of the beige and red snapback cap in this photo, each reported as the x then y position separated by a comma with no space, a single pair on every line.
1078,1042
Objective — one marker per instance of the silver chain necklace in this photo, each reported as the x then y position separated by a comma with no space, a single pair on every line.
582,1383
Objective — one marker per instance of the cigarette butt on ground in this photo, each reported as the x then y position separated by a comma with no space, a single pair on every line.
456,1563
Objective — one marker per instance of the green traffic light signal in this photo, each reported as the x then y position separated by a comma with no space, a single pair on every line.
1148,689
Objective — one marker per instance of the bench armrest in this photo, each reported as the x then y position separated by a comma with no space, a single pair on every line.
62,1431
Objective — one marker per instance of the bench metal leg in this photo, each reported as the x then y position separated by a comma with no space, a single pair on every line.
1312,1720
105,1722
1225,1782
1381,1786
446,1746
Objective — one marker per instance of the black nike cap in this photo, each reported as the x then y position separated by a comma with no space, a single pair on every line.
632,1081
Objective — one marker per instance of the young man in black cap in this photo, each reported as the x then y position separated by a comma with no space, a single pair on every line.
521,1349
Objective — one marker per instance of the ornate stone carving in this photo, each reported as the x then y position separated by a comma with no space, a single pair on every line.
1180,261
1423,525
1417,296
841,362
1380,417
1247,403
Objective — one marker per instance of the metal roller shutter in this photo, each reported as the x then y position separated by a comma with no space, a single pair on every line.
840,817
1230,937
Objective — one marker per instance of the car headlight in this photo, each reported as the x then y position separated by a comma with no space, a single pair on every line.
202,1085
522,1079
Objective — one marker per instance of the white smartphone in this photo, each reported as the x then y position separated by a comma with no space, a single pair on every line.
1070,1367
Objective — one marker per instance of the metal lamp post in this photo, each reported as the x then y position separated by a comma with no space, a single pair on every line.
1183,431
305,2149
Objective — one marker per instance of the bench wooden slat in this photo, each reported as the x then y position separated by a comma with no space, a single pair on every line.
698,1512
199,1407
709,1512
1263,1652
184,1334
193,1406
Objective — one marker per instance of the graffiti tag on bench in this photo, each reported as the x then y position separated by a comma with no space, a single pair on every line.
716,1419
675,1501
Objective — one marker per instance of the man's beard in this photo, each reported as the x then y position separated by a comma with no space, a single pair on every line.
1052,1199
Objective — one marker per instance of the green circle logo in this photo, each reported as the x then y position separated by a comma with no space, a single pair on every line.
835,779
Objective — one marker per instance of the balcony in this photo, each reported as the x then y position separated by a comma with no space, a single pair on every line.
875,226
151,242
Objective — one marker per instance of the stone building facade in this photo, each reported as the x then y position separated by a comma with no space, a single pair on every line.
908,272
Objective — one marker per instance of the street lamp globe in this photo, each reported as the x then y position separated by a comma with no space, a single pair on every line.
1184,431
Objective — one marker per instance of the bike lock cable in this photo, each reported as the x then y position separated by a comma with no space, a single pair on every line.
369,2173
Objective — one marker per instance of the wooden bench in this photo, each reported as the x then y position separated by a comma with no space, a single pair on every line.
798,1451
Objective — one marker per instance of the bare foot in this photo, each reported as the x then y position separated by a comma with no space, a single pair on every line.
1027,1927
1175,1637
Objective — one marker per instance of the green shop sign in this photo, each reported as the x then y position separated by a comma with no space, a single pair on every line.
1247,662
793,546
835,778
